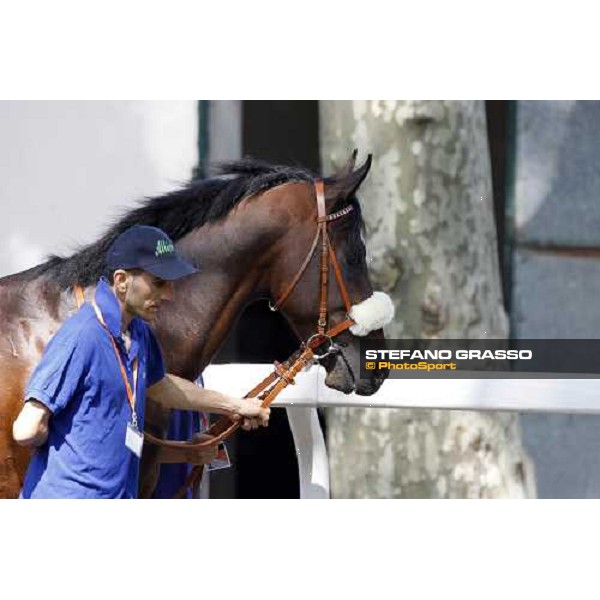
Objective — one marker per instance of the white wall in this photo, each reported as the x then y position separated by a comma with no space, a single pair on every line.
67,167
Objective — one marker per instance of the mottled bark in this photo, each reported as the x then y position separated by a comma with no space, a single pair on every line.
432,246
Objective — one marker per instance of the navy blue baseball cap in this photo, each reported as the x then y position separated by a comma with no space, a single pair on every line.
150,249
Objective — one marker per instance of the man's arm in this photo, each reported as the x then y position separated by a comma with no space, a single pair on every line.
175,392
31,426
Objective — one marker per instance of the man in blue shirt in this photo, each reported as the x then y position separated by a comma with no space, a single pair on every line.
85,402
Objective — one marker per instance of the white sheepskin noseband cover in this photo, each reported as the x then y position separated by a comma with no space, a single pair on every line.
371,314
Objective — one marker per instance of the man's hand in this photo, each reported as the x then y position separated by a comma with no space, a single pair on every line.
193,456
174,392
253,415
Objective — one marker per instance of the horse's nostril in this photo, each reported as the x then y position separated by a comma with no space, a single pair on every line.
383,376
380,376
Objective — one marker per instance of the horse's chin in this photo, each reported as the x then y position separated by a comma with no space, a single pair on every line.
341,378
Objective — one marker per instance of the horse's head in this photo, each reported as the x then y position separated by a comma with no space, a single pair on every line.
296,285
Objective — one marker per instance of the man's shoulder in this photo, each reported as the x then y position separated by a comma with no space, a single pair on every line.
79,329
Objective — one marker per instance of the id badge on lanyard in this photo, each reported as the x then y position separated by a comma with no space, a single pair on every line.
134,438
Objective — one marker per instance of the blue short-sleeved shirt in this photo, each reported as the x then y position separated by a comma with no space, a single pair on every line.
80,381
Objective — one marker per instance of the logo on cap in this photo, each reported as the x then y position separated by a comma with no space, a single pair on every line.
163,247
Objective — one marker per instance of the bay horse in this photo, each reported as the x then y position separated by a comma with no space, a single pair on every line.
247,230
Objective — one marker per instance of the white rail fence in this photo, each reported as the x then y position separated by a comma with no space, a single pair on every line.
302,400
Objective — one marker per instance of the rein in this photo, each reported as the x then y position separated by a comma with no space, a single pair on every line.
284,373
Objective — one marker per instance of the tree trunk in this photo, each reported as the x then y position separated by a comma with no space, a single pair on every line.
432,246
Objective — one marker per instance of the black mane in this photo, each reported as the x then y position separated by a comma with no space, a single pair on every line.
177,213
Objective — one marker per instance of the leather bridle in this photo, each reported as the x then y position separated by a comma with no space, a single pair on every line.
284,373
327,256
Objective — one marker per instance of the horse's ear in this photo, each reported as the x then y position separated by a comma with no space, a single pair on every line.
348,167
344,187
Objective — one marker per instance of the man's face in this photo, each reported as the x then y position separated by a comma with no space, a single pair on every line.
145,293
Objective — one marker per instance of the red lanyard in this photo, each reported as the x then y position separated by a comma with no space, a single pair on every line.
130,394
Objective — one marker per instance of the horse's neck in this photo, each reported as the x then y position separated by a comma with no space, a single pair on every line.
234,265
235,260
195,324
